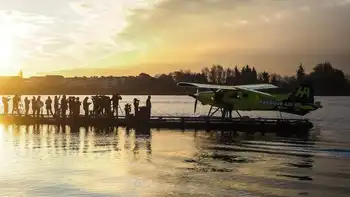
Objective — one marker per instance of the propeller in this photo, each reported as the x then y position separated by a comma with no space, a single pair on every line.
195,105
195,96
196,102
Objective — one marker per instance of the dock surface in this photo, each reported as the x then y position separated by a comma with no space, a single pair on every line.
265,125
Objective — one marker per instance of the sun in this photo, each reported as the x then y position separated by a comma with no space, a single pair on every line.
7,66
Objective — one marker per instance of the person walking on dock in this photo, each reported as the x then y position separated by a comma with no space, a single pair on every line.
136,105
5,102
48,104
34,106
26,105
86,104
149,104
64,106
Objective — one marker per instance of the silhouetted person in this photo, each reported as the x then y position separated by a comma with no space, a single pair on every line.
76,106
127,110
115,102
136,105
70,105
56,105
40,106
95,107
149,104
230,109
5,101
108,106
86,104
223,113
64,106
15,104
26,105
48,104
34,106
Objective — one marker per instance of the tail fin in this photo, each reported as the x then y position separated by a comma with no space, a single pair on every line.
303,94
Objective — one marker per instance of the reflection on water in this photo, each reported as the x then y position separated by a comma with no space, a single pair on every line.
46,160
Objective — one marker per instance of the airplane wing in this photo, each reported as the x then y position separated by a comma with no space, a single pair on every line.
254,91
226,87
249,88
205,86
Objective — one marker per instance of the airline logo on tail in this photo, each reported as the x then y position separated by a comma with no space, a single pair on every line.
302,92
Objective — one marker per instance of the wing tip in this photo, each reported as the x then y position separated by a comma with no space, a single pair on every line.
185,84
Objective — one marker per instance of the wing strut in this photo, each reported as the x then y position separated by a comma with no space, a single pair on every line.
238,114
211,107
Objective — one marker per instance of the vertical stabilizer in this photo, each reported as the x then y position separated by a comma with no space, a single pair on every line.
303,94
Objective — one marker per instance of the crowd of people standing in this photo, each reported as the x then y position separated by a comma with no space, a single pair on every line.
61,107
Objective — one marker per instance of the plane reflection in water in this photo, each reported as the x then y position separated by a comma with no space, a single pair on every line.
62,161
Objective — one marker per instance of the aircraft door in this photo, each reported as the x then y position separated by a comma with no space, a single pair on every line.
219,96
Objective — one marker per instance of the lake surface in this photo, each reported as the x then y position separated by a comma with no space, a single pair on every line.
51,161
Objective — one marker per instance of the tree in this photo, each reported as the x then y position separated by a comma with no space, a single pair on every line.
206,73
254,76
273,79
264,77
237,76
230,76
300,73
213,74
220,75
328,80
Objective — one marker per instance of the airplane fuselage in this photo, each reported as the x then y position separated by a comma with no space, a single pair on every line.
248,101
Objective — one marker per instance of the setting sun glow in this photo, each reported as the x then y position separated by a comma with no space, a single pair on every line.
6,49
127,37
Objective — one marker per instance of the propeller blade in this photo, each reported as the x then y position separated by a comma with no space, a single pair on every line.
195,105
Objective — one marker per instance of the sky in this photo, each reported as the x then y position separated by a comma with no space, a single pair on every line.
127,37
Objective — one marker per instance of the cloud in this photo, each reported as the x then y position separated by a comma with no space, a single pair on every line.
343,3
243,22
201,28
83,31
265,18
305,9
65,34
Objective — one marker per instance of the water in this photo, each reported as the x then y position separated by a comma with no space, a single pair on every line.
50,161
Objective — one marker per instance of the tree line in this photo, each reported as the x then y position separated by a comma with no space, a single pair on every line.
326,80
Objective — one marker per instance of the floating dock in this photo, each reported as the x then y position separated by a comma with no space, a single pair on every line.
263,125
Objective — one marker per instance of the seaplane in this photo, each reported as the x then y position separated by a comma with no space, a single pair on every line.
252,98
